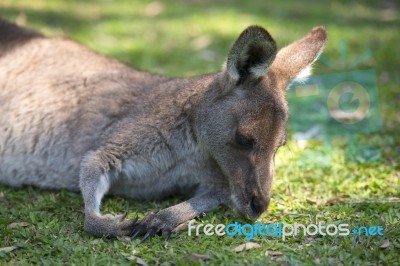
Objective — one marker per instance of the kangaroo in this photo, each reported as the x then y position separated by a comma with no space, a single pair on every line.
74,119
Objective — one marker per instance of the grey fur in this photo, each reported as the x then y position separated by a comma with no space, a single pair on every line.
77,120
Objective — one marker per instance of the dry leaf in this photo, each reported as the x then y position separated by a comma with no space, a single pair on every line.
385,244
273,253
18,224
8,249
390,199
154,9
246,246
200,256
336,199
181,227
141,262
310,201
21,19
201,42
1,194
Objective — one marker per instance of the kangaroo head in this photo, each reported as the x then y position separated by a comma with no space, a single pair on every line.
242,121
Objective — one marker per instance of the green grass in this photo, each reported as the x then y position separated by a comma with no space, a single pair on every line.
193,37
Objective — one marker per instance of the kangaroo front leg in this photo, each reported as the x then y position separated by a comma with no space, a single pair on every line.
166,220
94,184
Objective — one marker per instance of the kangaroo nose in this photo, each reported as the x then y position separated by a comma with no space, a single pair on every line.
258,205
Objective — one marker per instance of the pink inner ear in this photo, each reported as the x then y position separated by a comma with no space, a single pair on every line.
295,60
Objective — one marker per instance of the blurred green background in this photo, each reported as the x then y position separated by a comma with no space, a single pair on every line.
182,38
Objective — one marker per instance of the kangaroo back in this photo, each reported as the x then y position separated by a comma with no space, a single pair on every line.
12,36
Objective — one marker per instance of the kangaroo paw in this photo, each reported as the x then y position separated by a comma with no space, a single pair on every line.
109,225
150,226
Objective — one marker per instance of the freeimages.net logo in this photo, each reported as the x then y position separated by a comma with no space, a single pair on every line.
342,104
282,230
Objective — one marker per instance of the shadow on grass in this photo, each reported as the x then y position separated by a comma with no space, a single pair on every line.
289,16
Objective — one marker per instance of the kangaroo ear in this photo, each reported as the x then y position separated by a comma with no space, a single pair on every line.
250,56
295,60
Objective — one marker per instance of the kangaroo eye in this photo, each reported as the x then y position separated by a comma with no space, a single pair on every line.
244,141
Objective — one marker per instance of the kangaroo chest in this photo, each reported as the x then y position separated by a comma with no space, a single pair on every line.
162,176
